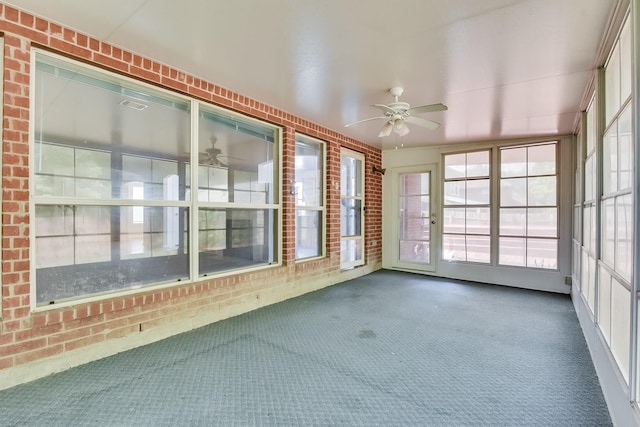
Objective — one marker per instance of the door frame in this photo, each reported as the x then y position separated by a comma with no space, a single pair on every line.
434,215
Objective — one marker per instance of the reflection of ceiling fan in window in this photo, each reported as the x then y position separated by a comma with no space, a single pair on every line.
213,155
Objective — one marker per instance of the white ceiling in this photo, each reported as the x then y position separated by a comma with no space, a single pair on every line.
505,68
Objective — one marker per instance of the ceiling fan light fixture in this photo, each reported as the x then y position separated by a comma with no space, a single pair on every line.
400,127
386,129
403,131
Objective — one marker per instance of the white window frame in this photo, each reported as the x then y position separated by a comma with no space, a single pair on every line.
192,204
526,237
321,207
361,237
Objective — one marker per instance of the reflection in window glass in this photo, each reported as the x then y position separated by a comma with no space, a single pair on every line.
236,159
140,119
529,206
100,142
89,141
63,171
234,239
79,258
237,156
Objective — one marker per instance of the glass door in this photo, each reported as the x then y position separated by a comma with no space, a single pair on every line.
415,216
351,212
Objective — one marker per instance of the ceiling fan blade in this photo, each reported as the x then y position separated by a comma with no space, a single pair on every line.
429,124
362,121
385,108
427,108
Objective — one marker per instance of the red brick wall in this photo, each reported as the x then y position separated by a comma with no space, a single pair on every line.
27,336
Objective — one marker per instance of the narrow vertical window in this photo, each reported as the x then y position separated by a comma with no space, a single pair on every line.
351,213
308,190
529,206
466,212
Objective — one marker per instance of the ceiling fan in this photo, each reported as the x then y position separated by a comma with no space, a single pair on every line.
397,114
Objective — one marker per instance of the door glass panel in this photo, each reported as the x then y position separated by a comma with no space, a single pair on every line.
414,251
351,179
350,251
350,223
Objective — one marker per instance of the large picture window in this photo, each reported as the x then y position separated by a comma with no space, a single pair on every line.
112,185
529,206
309,195
237,195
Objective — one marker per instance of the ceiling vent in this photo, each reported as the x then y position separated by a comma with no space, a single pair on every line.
133,104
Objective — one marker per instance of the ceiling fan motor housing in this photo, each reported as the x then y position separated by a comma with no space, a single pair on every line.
400,107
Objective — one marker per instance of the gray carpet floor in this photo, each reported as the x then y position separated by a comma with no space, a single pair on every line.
387,349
